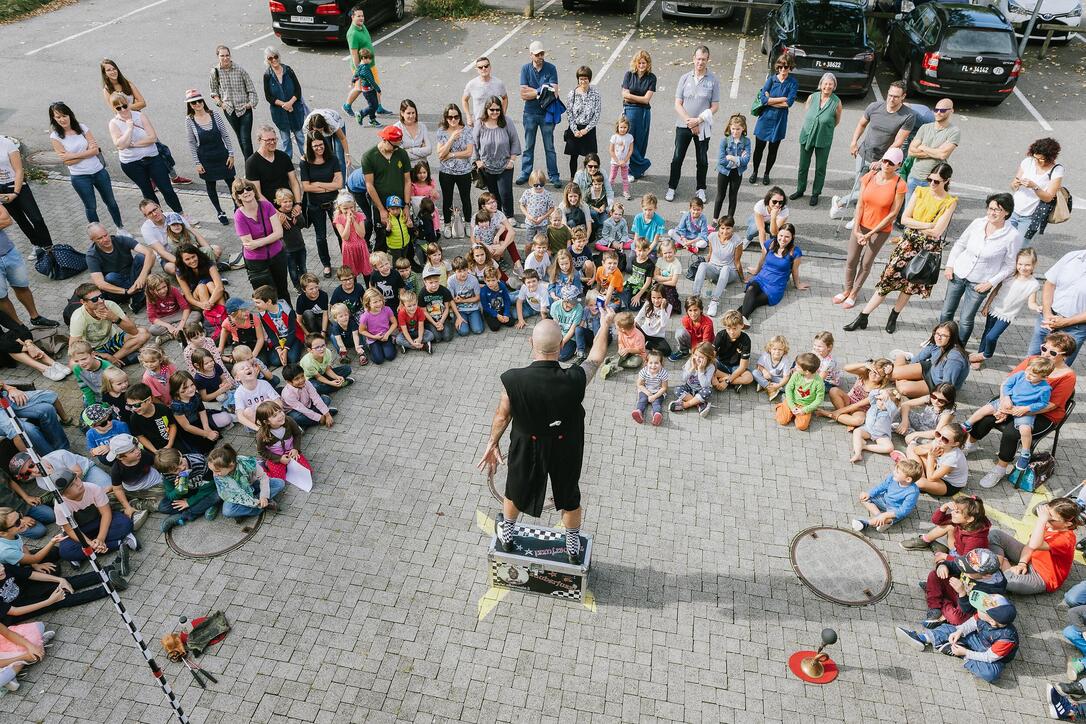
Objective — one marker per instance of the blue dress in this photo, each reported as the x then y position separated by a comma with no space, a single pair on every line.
773,123
773,277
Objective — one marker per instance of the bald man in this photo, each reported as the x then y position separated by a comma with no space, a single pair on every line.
543,401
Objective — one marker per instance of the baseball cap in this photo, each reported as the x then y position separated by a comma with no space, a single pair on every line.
979,561
392,201
20,464
431,272
568,293
174,218
894,156
236,304
536,48
63,479
997,606
120,445
96,413
392,134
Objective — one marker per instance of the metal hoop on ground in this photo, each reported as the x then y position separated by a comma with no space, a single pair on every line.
176,546
840,566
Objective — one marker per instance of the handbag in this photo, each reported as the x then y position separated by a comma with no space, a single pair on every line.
59,261
757,106
477,179
924,268
1061,209
458,224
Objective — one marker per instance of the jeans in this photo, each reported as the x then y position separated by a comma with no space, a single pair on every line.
372,104
683,137
1077,331
380,352
448,331
984,670
462,183
722,276
243,129
640,118
993,327
532,123
237,510
964,293
323,389
24,210
1074,597
643,403
473,322
305,422
153,168
39,420
296,266
193,512
120,525
427,336
124,281
44,515
567,351
501,185
285,141
1075,637
85,186
822,158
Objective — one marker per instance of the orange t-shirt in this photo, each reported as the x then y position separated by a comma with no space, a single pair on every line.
878,200
602,281
1054,565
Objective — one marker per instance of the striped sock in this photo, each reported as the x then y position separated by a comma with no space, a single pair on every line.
573,541
505,529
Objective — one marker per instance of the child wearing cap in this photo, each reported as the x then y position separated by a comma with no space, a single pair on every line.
189,488
891,500
436,302
135,483
397,232
101,428
241,326
88,505
955,582
988,641
569,313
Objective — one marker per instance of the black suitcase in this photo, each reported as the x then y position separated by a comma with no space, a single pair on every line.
539,564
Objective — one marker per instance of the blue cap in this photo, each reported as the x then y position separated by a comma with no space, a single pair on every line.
236,304
174,218
393,202
569,292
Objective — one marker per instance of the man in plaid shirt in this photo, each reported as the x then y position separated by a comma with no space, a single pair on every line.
233,90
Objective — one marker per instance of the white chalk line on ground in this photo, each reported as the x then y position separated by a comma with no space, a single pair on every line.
1032,111
511,33
734,93
622,44
81,33
247,43
383,38
876,90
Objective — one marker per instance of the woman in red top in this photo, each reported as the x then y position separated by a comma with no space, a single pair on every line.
1042,563
882,192
1058,346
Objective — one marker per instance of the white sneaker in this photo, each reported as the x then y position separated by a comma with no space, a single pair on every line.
746,323
713,308
447,232
52,373
969,447
991,479
121,231
138,520
513,222
850,224
48,636
700,193
895,353
130,540
858,525
837,209
669,195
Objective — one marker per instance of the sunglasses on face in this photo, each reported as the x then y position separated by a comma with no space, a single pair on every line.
93,300
942,437
943,110
250,189
495,110
591,165
938,399
1051,352
782,67
136,405
935,181
453,116
120,106
483,67
537,186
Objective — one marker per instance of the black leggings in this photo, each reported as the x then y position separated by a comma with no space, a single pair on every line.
759,148
657,343
31,592
1010,438
213,194
462,182
752,299
729,183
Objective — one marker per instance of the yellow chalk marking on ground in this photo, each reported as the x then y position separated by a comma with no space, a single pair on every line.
1023,527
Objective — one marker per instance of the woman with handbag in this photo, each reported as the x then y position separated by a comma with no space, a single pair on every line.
497,145
137,147
455,148
1036,185
283,92
322,179
777,95
914,263
78,149
583,106
261,234
211,148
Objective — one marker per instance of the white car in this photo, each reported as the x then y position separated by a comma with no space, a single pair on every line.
1058,12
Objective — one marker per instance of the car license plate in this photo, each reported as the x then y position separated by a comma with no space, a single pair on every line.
976,69
301,19
832,64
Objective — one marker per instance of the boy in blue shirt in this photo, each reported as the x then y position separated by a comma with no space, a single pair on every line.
648,224
568,313
1028,388
893,499
101,428
497,304
692,233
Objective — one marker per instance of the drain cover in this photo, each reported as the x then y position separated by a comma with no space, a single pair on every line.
210,539
840,566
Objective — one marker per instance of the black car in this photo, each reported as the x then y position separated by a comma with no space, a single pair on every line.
956,50
318,21
822,36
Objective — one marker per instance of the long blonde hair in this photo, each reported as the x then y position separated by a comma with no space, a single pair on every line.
638,56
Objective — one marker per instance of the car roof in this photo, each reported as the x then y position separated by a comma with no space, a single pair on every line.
839,8
966,15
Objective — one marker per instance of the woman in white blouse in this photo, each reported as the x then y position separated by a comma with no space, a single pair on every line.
416,137
137,147
78,149
981,258
583,105
1035,186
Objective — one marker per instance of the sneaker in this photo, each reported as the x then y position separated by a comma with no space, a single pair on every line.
897,456
746,323
883,527
700,193
1072,688
447,231
775,393
912,638
626,194
736,388
124,563
703,408
55,372
657,418
837,210
714,307
676,406
381,110
637,416
678,355
669,195
578,358
969,446
934,618
859,525
76,565
118,581
213,512
991,480
850,224
915,544
180,180
922,585
521,181
171,522
139,519
48,636
506,546
429,348
374,123
43,322
131,542
943,648
7,677
223,218
1075,668
1059,706
1023,460
402,348
937,547
557,184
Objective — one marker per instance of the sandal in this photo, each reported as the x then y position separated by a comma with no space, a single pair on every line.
840,297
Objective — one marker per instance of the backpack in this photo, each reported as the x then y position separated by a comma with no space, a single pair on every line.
1042,466
59,261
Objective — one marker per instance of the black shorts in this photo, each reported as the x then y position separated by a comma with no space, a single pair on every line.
532,460
925,370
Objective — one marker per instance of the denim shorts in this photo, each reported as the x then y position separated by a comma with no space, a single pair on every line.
14,272
1024,421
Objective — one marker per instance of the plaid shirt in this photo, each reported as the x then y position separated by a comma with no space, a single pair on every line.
234,88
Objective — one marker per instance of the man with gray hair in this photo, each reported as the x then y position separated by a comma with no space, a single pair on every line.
119,266
697,97
233,91
543,401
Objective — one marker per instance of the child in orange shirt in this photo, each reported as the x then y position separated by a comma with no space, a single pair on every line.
608,281
631,346
696,328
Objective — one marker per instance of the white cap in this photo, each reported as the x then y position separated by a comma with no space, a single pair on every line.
536,48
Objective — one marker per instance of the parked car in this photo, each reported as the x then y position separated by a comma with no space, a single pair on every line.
1053,12
822,35
320,21
627,6
693,9
956,50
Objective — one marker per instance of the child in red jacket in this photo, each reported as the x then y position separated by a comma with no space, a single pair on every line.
962,521
696,328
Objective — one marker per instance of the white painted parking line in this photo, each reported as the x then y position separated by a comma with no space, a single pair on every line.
81,33
876,90
734,93
383,38
610,61
511,33
247,43
1078,36
646,10
1032,111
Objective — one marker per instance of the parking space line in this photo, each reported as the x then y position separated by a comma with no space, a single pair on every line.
622,44
734,92
511,33
876,90
1078,36
383,38
1032,111
81,33
247,43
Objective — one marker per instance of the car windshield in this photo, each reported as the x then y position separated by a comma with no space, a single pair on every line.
825,24
972,41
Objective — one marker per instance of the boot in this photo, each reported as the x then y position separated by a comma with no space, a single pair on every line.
891,322
859,323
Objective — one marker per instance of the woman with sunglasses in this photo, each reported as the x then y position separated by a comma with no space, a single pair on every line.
455,147
777,95
78,149
1058,346
211,148
583,178
137,147
926,217
882,192
257,224
283,92
770,214
497,146
941,359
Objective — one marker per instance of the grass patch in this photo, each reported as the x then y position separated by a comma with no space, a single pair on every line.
12,10
444,8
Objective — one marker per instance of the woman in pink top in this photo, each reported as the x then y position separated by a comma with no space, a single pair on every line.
261,233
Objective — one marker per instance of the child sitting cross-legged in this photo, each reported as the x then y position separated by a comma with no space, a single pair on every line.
377,325
732,354
88,369
892,499
189,488
696,328
874,434
343,332
773,367
955,581
243,486
651,388
442,317
697,387
196,338
302,402
156,372
850,409
803,394
318,363
101,428
411,321
632,352
213,382
495,300
277,439
568,312
532,298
